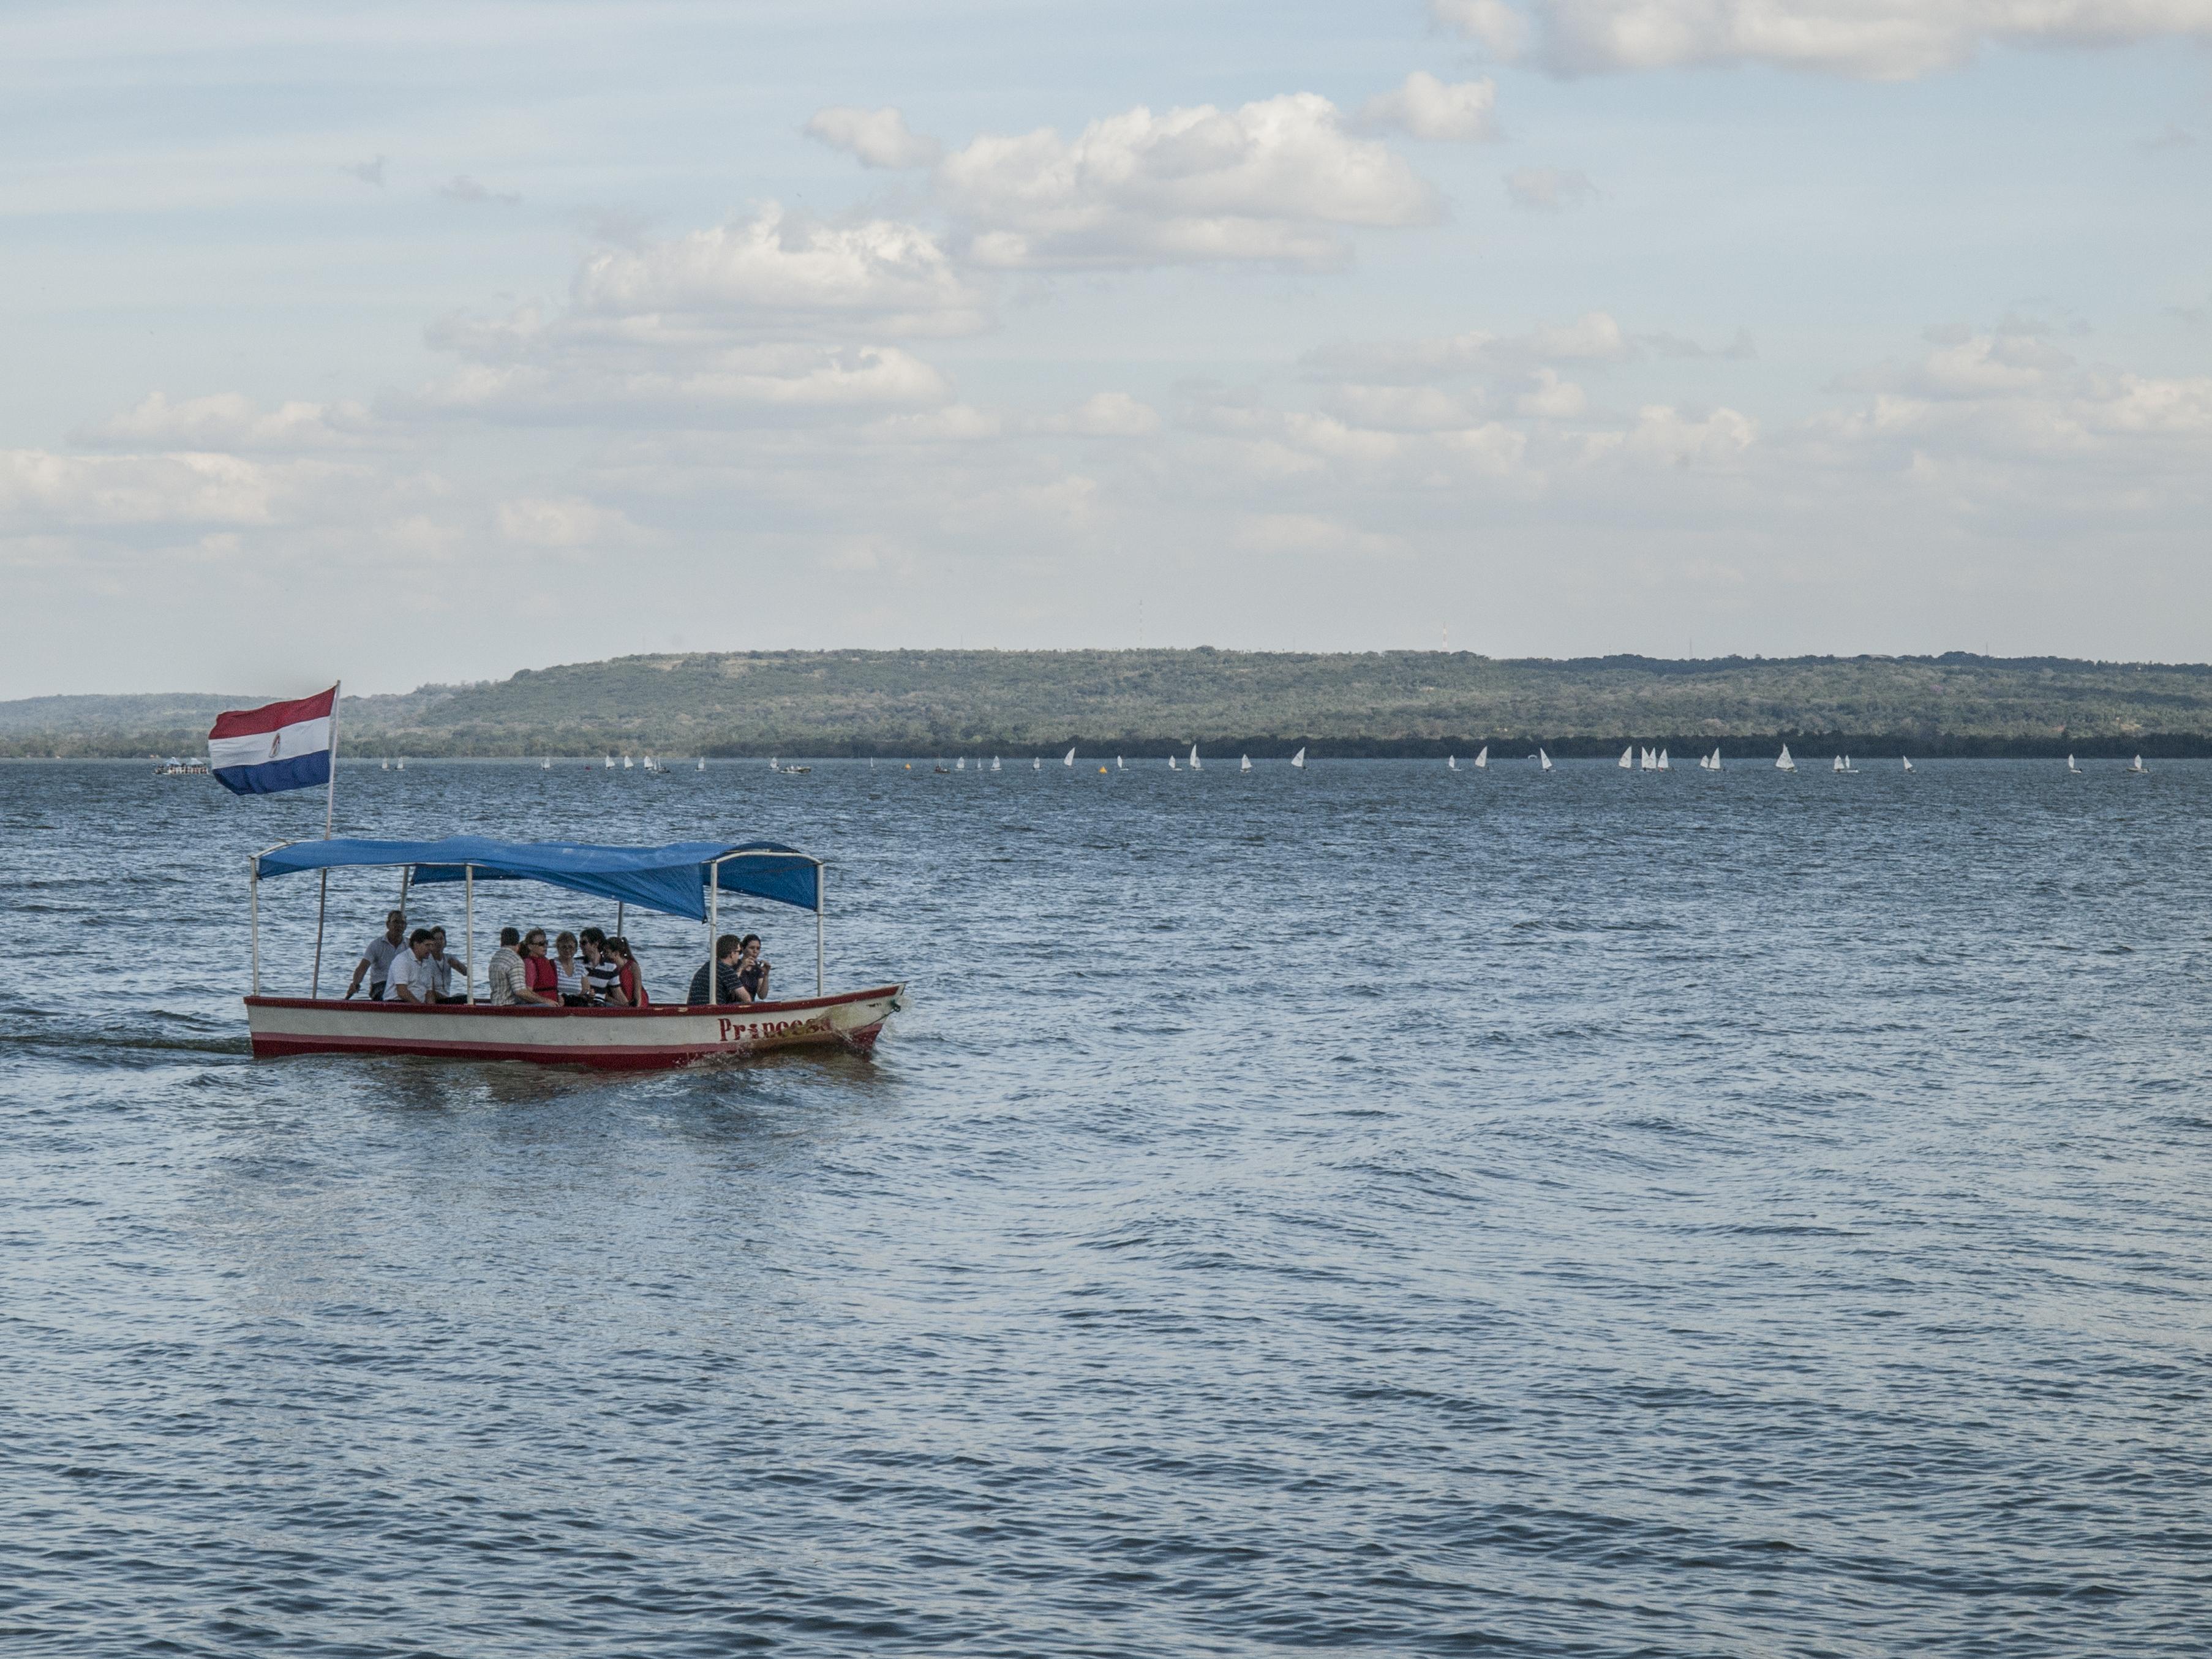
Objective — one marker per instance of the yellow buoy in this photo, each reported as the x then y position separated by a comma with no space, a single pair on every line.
1101,771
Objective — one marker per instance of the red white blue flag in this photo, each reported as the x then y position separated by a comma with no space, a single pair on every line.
283,746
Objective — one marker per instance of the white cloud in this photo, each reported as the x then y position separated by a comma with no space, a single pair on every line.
1428,108
1872,40
230,421
40,487
1271,181
1546,190
792,378
1552,398
773,269
878,137
562,522
1107,414
1596,336
462,188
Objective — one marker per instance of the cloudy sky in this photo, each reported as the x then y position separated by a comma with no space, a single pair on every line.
426,342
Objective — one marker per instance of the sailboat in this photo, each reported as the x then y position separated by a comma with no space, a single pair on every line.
401,763
608,762
1482,758
1120,765
1068,759
2072,768
1194,766
1035,765
546,765
994,763
2138,770
1710,762
1543,762
1451,762
960,765
1171,763
1299,760
386,766
1662,766
626,765
1907,759
1783,762
1843,763
1246,764
1626,758
702,764
1648,761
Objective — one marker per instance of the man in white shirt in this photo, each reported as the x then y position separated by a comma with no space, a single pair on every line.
442,967
412,979
375,962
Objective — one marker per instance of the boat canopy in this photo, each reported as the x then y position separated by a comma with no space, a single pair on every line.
672,879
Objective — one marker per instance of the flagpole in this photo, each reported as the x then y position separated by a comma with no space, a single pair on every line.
330,808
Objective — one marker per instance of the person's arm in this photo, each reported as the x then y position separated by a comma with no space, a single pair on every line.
405,987
360,968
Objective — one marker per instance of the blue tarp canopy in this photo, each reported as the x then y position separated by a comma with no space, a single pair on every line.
672,879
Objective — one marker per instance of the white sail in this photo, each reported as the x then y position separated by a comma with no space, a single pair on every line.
1626,755
1482,758
1171,763
1451,762
1907,759
1120,765
545,766
1195,765
1299,760
387,767
1543,761
1663,767
627,766
1783,762
772,766
1839,764
2137,767
994,763
1036,764
401,763
702,765
1245,764
1068,759
1717,760
608,762
961,764
2071,767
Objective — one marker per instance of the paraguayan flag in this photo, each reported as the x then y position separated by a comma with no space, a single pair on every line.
284,745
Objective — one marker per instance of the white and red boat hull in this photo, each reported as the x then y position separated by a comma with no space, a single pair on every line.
618,1038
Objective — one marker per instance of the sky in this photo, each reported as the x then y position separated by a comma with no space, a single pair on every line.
423,342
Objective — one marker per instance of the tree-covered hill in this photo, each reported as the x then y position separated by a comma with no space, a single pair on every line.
931,702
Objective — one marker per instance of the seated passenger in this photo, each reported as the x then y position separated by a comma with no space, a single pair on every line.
411,978
375,962
602,966
753,972
629,984
568,982
442,966
508,984
728,950
537,973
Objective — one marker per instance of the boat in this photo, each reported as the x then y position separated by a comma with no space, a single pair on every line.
546,765
1299,760
702,764
626,765
1543,761
1245,765
401,764
994,763
1482,758
1120,765
1710,762
1035,765
607,762
174,768
2072,769
1626,755
1844,764
1907,759
686,879
1451,762
1194,766
1171,763
942,769
1783,762
961,764
1662,766
1068,759
384,765
2138,768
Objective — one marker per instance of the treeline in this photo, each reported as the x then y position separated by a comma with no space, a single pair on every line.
1019,702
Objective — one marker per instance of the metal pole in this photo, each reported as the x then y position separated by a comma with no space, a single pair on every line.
713,920
820,872
253,909
323,882
619,915
469,903
406,874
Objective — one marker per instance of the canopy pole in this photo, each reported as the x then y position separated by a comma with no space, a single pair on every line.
254,910
330,807
714,922
469,908
619,915
820,871
406,874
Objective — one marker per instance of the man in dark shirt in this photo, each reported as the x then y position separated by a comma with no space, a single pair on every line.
727,949
602,966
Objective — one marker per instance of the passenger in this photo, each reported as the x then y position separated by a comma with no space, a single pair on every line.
411,979
509,986
602,966
376,961
629,984
538,971
753,972
568,973
442,967
728,950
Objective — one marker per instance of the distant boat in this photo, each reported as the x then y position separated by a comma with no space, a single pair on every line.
1627,758
1194,766
1843,763
626,765
994,763
1171,763
960,765
1783,762
401,764
1482,758
943,769
1662,766
1299,760
1711,762
2070,767
1907,759
2138,770
1246,764
386,765
1120,765
1543,762
1648,761
702,765
608,762
545,766
1035,765
1451,763
1068,759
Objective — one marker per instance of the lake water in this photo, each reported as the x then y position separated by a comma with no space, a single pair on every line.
1376,1210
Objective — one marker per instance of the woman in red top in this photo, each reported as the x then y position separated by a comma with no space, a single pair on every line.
631,982
538,972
